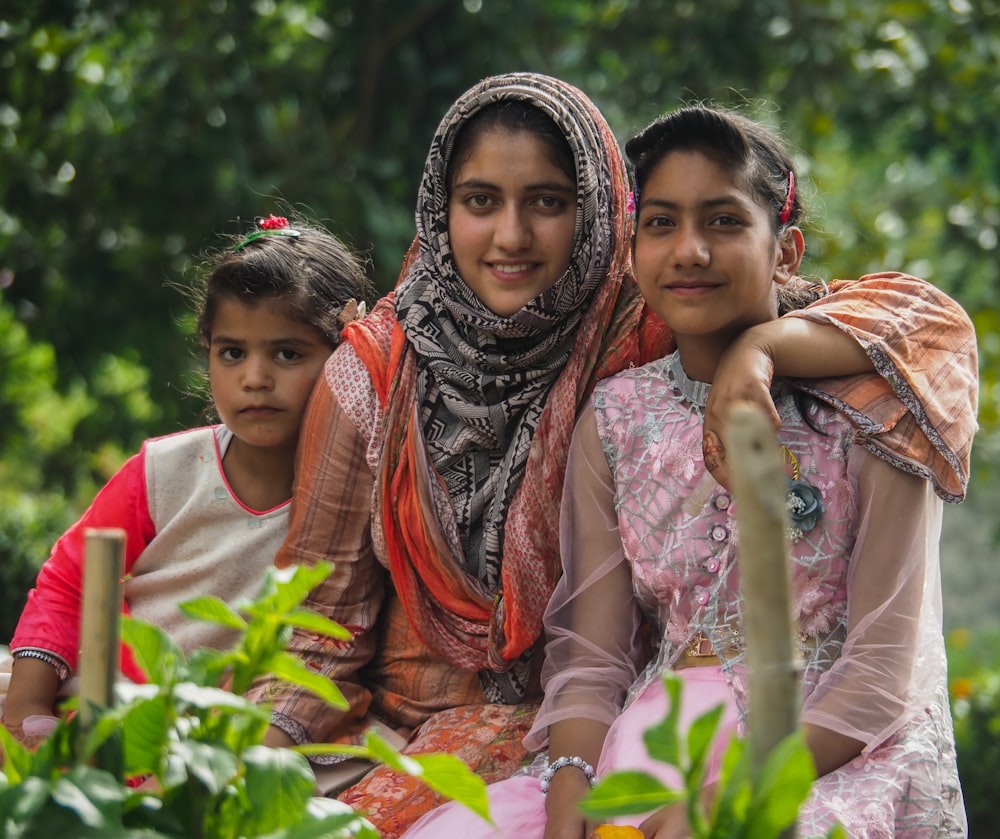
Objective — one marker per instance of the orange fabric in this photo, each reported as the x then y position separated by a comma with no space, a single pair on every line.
486,737
618,331
919,413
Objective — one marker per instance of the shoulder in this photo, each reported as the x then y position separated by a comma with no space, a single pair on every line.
373,333
350,381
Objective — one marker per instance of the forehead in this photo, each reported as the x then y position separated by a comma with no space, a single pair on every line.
695,172
260,317
510,152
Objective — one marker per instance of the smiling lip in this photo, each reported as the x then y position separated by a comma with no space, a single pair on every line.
691,289
511,270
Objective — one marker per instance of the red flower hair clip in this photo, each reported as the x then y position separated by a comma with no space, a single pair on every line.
271,226
273,222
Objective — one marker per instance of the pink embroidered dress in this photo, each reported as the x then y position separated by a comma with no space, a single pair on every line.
648,538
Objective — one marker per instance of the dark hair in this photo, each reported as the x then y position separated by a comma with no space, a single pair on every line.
312,275
512,116
757,156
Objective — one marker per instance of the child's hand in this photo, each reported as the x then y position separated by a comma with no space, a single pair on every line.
33,730
744,375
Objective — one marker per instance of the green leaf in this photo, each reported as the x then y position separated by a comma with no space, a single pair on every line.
662,741
94,795
291,669
212,609
154,651
208,698
145,730
699,741
211,765
304,619
17,763
783,785
21,802
327,818
451,777
278,783
443,773
288,587
733,793
626,793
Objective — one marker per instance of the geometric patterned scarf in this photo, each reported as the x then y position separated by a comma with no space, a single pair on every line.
479,408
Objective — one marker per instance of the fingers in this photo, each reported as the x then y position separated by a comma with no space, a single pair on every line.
712,450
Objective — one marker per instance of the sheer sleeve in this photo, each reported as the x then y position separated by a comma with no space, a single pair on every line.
893,659
593,649
920,411
330,520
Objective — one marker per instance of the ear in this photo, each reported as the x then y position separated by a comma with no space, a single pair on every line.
791,247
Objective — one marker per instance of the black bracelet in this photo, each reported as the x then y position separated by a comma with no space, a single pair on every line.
56,663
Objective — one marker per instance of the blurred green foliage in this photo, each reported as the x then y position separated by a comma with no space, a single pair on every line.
132,133
974,675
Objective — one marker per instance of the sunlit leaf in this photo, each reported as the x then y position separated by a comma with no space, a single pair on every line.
291,669
627,792
212,610
317,623
154,651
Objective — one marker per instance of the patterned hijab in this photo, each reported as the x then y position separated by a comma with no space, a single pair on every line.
479,407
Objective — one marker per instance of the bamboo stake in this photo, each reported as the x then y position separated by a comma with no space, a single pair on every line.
102,605
760,491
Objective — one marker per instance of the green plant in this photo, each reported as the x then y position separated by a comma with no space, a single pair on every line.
747,805
974,670
199,746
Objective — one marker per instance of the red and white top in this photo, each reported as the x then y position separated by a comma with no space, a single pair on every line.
187,535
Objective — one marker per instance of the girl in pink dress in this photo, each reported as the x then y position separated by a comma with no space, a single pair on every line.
648,537
205,509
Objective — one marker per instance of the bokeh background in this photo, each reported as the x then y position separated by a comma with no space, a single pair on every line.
132,133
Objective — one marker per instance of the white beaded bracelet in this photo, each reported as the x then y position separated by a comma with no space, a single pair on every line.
559,763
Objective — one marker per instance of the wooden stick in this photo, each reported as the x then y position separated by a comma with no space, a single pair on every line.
760,492
102,605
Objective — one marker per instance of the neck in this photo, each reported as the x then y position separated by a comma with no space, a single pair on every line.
260,477
700,356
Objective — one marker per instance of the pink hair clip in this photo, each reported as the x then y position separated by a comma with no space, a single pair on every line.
786,209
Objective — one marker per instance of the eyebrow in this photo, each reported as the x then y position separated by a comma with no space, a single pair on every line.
541,186
708,203
225,339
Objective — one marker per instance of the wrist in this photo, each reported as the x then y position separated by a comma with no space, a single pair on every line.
568,762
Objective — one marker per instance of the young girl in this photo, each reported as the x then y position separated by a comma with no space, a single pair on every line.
715,243
206,509
434,449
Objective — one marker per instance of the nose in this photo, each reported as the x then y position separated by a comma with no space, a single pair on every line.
690,246
513,229
257,373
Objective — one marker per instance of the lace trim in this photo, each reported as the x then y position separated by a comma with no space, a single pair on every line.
694,392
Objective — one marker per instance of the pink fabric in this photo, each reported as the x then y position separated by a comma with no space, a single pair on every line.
866,586
517,805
